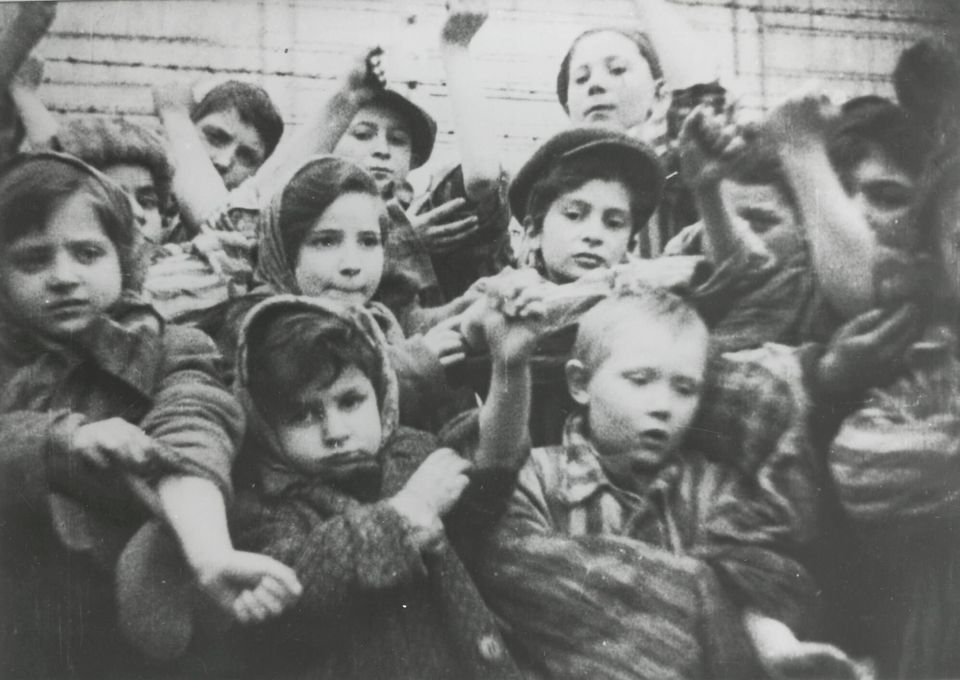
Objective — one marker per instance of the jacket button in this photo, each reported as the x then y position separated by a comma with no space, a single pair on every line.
490,648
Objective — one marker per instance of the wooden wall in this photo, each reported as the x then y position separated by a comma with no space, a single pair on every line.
102,57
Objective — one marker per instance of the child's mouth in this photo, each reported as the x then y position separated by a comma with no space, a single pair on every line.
66,307
589,261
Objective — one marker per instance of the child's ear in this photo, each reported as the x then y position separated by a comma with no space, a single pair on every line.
577,380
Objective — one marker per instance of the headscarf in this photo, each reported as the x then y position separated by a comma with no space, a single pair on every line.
281,232
275,475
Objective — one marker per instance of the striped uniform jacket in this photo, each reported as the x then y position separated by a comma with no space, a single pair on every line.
598,582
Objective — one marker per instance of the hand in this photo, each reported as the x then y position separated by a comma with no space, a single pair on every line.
172,95
800,120
115,442
366,76
251,587
220,248
867,349
815,661
445,341
439,235
704,145
464,19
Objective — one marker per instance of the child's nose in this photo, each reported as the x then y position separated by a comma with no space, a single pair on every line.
335,431
63,273
381,147
223,158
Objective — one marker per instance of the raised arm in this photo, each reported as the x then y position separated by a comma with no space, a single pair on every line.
682,53
38,123
842,245
324,126
19,36
476,138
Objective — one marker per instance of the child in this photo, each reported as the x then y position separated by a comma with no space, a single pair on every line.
110,424
323,236
894,462
624,552
362,508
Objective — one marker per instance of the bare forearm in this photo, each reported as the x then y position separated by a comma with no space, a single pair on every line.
722,236
21,34
842,244
476,138
505,416
39,124
195,510
197,184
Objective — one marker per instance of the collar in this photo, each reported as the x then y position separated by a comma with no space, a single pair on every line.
581,474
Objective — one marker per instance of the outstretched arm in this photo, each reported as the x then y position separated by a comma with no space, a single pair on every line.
38,123
19,36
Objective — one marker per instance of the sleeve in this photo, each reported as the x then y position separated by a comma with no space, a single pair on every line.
897,459
422,381
33,455
731,280
339,559
193,415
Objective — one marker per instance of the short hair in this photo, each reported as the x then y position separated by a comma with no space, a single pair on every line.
312,190
638,38
102,143
288,350
252,104
569,174
759,164
600,323
33,187
877,124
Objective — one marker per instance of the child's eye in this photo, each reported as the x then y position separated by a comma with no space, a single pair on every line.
641,377
887,196
88,253
369,240
615,222
324,240
148,200
363,132
303,415
572,213
686,387
399,139
582,77
352,401
216,136
248,157
617,69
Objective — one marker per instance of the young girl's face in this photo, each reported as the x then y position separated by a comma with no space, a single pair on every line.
380,141
342,255
586,229
58,279
337,423
610,82
235,147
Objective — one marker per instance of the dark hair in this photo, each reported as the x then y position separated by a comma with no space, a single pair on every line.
639,38
759,164
569,174
252,104
311,191
939,183
289,350
102,143
880,124
32,188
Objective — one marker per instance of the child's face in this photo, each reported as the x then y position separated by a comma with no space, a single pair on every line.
586,229
60,278
380,141
644,393
137,182
338,423
610,82
948,244
342,255
236,148
884,193
768,213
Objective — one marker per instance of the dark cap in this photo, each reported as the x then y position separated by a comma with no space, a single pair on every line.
640,160
423,128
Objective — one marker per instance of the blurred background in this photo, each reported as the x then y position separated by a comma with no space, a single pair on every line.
102,57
